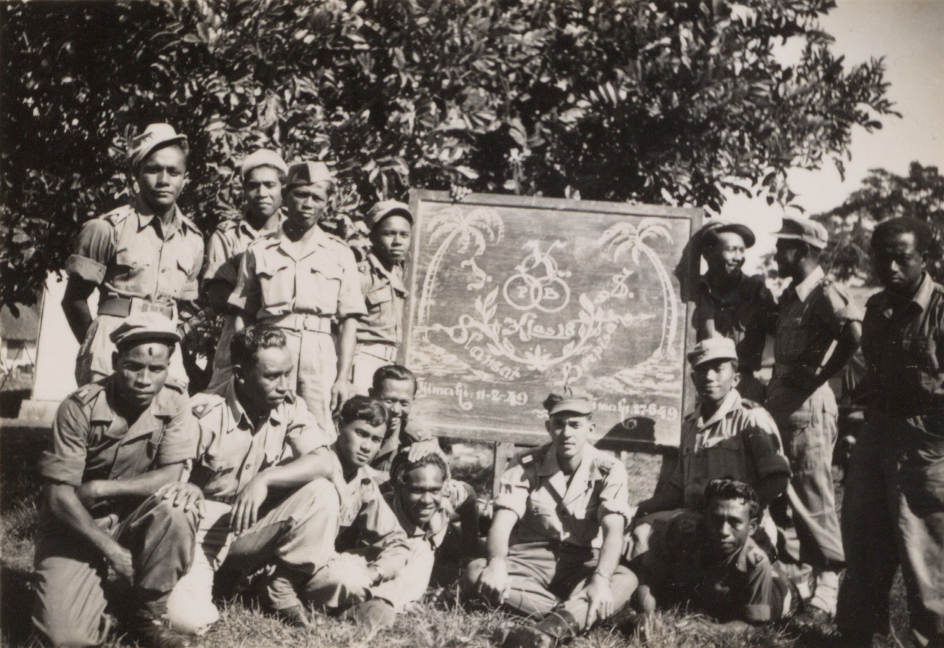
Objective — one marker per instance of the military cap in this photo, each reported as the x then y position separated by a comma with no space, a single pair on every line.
263,157
713,348
145,327
568,399
154,137
303,173
710,232
385,208
803,229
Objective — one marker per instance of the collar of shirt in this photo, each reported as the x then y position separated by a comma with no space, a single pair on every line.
103,411
243,225
727,405
921,299
586,473
146,217
317,241
393,276
805,287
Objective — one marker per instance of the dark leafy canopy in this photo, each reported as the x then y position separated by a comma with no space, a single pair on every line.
883,195
661,102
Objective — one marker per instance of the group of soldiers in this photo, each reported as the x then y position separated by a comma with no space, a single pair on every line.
298,478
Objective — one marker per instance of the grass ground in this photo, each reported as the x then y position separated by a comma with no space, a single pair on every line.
436,623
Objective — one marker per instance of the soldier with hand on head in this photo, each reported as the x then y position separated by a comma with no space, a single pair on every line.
731,304
818,331
301,278
380,331
114,443
552,503
143,257
260,477
263,174
893,506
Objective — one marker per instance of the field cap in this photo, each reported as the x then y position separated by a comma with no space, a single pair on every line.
263,157
303,173
710,232
153,137
713,348
803,229
145,327
568,399
387,208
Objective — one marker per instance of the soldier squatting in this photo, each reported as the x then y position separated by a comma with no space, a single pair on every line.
299,469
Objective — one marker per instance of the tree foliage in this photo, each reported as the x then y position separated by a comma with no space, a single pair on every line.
659,102
882,195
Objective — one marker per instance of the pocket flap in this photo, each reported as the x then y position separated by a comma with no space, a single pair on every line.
379,295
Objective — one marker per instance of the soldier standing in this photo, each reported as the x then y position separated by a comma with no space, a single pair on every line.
300,279
142,257
818,331
733,305
263,174
380,332
893,510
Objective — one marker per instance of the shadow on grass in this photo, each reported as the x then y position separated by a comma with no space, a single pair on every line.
16,600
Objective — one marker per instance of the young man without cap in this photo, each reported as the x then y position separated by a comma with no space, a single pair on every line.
113,444
818,331
301,279
260,477
709,560
380,332
263,174
551,505
143,257
893,506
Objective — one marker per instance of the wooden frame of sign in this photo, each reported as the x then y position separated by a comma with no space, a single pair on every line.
511,296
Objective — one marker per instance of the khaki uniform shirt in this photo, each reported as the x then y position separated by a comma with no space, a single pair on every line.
744,314
129,252
384,294
812,317
903,345
678,569
230,452
740,441
322,280
550,509
225,250
371,525
90,440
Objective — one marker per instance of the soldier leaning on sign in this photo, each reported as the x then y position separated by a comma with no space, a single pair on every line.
725,436
551,505
300,278
380,332
893,507
818,331
142,257
709,559
261,478
263,174
731,304
395,387
114,443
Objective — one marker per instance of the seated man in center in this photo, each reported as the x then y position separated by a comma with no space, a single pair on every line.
551,505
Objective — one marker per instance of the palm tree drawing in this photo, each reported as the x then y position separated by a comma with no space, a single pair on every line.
628,237
469,230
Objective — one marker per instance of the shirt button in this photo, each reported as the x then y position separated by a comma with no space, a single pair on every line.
248,466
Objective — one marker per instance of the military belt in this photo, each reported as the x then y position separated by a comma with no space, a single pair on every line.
297,322
125,306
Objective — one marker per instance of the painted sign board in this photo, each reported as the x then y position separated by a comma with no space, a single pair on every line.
513,295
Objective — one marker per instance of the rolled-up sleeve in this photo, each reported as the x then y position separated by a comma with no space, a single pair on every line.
513,490
763,442
64,460
179,442
758,594
218,265
350,298
94,250
614,496
381,528
246,294
303,432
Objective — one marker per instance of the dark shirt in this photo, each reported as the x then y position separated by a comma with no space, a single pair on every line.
743,313
903,345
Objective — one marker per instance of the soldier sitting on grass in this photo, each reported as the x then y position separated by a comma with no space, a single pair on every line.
709,561
551,505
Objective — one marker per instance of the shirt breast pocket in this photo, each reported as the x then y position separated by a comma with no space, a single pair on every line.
726,459
377,297
321,291
792,339
210,468
276,284
130,264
